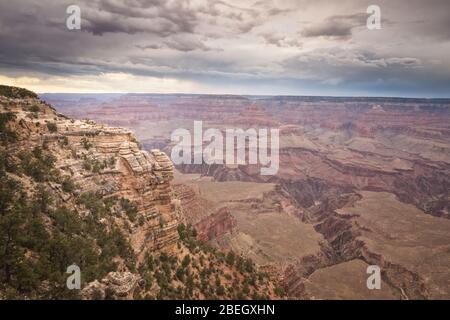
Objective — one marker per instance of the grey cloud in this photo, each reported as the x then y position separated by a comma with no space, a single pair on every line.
244,17
149,46
271,8
186,44
281,41
247,26
339,26
179,39
100,25
404,61
160,17
352,67
277,11
366,73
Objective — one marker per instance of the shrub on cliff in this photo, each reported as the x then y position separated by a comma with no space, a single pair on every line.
68,185
6,134
51,126
186,261
16,93
129,208
34,108
230,258
280,291
86,144
37,164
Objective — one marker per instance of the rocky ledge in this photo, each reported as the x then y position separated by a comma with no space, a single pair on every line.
108,161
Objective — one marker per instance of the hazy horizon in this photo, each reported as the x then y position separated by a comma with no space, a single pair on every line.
245,95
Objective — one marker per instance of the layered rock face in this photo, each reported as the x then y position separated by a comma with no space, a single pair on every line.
211,220
107,161
141,177
215,225
117,285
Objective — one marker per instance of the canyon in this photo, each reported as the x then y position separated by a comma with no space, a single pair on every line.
361,181
78,192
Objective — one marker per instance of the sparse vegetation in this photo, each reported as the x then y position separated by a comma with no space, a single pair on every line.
6,134
51,126
87,165
35,108
65,141
129,208
112,162
86,144
201,273
38,164
33,251
68,185
16,93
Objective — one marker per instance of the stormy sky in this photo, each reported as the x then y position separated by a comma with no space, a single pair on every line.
279,47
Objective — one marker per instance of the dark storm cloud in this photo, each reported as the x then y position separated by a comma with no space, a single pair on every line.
339,26
160,17
246,42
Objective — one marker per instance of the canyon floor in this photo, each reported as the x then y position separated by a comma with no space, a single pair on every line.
362,181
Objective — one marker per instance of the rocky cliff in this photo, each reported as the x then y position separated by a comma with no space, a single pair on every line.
95,164
107,161
78,192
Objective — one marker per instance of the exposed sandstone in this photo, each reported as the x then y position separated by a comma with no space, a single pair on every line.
216,225
123,170
116,285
